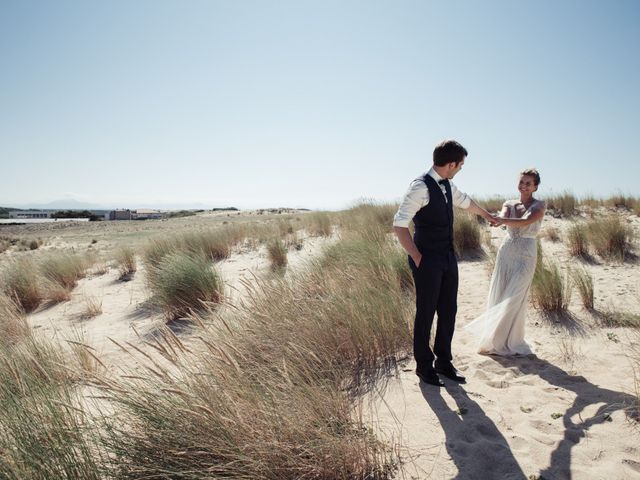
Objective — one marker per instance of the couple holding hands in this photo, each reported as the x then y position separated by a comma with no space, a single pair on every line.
429,203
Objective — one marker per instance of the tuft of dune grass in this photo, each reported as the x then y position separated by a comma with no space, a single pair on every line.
126,261
563,204
277,252
13,325
63,269
182,282
610,237
584,283
577,240
21,282
550,290
467,237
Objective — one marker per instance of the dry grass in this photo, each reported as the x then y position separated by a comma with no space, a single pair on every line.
467,236
214,244
63,269
612,317
126,261
563,205
621,200
182,283
93,307
584,283
45,433
13,324
577,240
550,290
271,395
21,282
551,233
277,253
492,204
318,224
611,238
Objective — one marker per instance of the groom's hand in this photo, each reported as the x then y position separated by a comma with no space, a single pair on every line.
495,221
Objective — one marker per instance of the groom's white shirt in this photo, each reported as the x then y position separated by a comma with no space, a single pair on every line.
418,196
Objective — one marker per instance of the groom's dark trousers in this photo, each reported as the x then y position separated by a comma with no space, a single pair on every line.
436,279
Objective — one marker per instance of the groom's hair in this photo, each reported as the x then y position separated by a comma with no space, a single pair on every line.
447,152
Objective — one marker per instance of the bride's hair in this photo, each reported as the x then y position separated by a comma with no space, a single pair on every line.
532,172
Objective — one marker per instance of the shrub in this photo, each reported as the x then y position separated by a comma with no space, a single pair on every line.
182,282
22,283
277,254
467,237
584,283
610,237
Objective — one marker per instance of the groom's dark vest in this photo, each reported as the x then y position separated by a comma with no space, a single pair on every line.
434,222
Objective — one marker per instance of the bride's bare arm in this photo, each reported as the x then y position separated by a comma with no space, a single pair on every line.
528,218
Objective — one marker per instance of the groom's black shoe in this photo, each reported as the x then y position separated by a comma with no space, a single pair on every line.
430,377
449,371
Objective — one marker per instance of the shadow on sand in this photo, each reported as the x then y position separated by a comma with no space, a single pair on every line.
586,394
491,459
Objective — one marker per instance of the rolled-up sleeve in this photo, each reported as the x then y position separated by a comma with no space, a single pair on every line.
460,199
416,197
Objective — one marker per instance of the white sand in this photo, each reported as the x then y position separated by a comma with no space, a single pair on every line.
557,415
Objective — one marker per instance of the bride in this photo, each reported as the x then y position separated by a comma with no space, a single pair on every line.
500,330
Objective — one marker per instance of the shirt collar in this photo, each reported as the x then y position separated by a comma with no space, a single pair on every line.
433,174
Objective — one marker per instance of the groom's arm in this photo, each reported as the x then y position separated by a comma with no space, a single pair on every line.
404,237
481,212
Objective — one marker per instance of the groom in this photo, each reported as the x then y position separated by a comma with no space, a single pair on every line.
429,203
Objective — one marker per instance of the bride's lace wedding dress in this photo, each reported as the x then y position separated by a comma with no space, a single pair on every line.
500,329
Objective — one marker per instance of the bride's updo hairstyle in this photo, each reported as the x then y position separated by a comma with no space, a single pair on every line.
532,172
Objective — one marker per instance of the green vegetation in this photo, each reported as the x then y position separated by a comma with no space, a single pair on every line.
182,283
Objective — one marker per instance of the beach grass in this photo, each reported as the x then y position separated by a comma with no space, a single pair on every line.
183,282
21,282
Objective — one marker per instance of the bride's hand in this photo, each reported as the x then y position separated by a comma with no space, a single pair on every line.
495,221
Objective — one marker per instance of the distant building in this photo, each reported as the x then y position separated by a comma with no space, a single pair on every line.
29,214
144,214
120,214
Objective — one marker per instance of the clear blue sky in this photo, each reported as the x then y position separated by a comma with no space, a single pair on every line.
312,103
